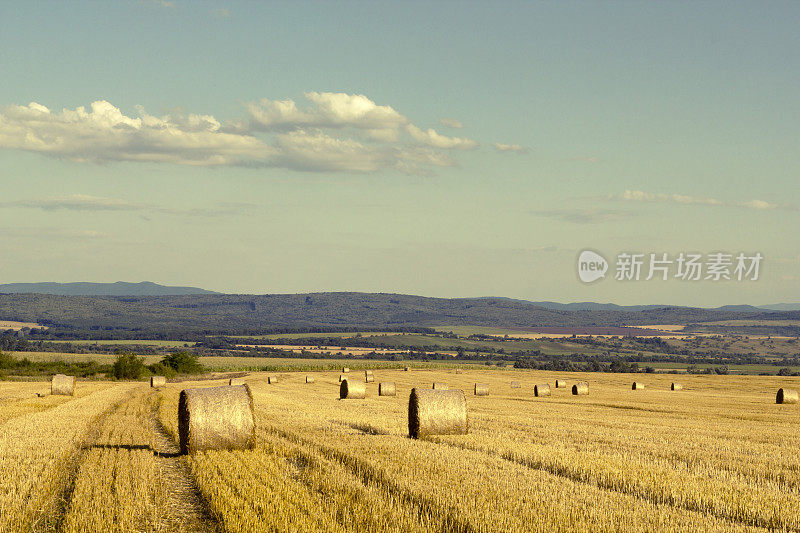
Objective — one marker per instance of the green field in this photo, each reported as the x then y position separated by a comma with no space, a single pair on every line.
434,343
341,335
238,364
145,342
478,330
233,364
734,369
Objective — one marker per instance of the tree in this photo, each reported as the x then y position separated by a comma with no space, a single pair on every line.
618,365
128,366
183,363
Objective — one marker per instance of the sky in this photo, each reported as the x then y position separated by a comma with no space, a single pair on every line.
448,149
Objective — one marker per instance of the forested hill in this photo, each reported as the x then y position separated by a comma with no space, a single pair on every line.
231,313
120,288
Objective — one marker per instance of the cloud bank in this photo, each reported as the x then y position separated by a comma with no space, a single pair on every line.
103,134
331,132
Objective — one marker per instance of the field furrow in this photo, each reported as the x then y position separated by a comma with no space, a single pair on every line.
125,482
37,458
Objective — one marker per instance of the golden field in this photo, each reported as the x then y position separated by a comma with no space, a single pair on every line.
719,455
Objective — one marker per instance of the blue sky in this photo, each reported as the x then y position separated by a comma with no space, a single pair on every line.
445,149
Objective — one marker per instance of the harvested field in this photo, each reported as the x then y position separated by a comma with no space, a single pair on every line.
721,459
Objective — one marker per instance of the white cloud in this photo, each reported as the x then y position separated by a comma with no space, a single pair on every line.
642,196
314,150
328,110
451,123
341,110
333,132
105,134
759,204
429,137
510,148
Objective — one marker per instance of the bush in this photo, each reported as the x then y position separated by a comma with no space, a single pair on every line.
8,361
128,366
183,363
160,369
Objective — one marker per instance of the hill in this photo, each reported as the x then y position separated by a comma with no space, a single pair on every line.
781,307
594,306
248,313
120,288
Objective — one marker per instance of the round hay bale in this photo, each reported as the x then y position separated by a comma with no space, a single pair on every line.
345,370
368,376
158,381
352,389
387,389
62,385
437,412
561,384
580,389
216,418
786,396
541,390
458,370
637,386
310,379
515,385
676,386
235,382
406,369
272,380
481,389
440,386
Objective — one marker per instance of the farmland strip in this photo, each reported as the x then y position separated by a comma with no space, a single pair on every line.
640,487
139,483
37,453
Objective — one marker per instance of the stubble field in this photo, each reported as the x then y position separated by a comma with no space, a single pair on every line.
719,455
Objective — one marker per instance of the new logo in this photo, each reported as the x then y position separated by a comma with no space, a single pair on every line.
591,266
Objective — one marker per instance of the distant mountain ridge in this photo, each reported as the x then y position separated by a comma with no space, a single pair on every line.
120,288
255,313
594,306
148,288
781,307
